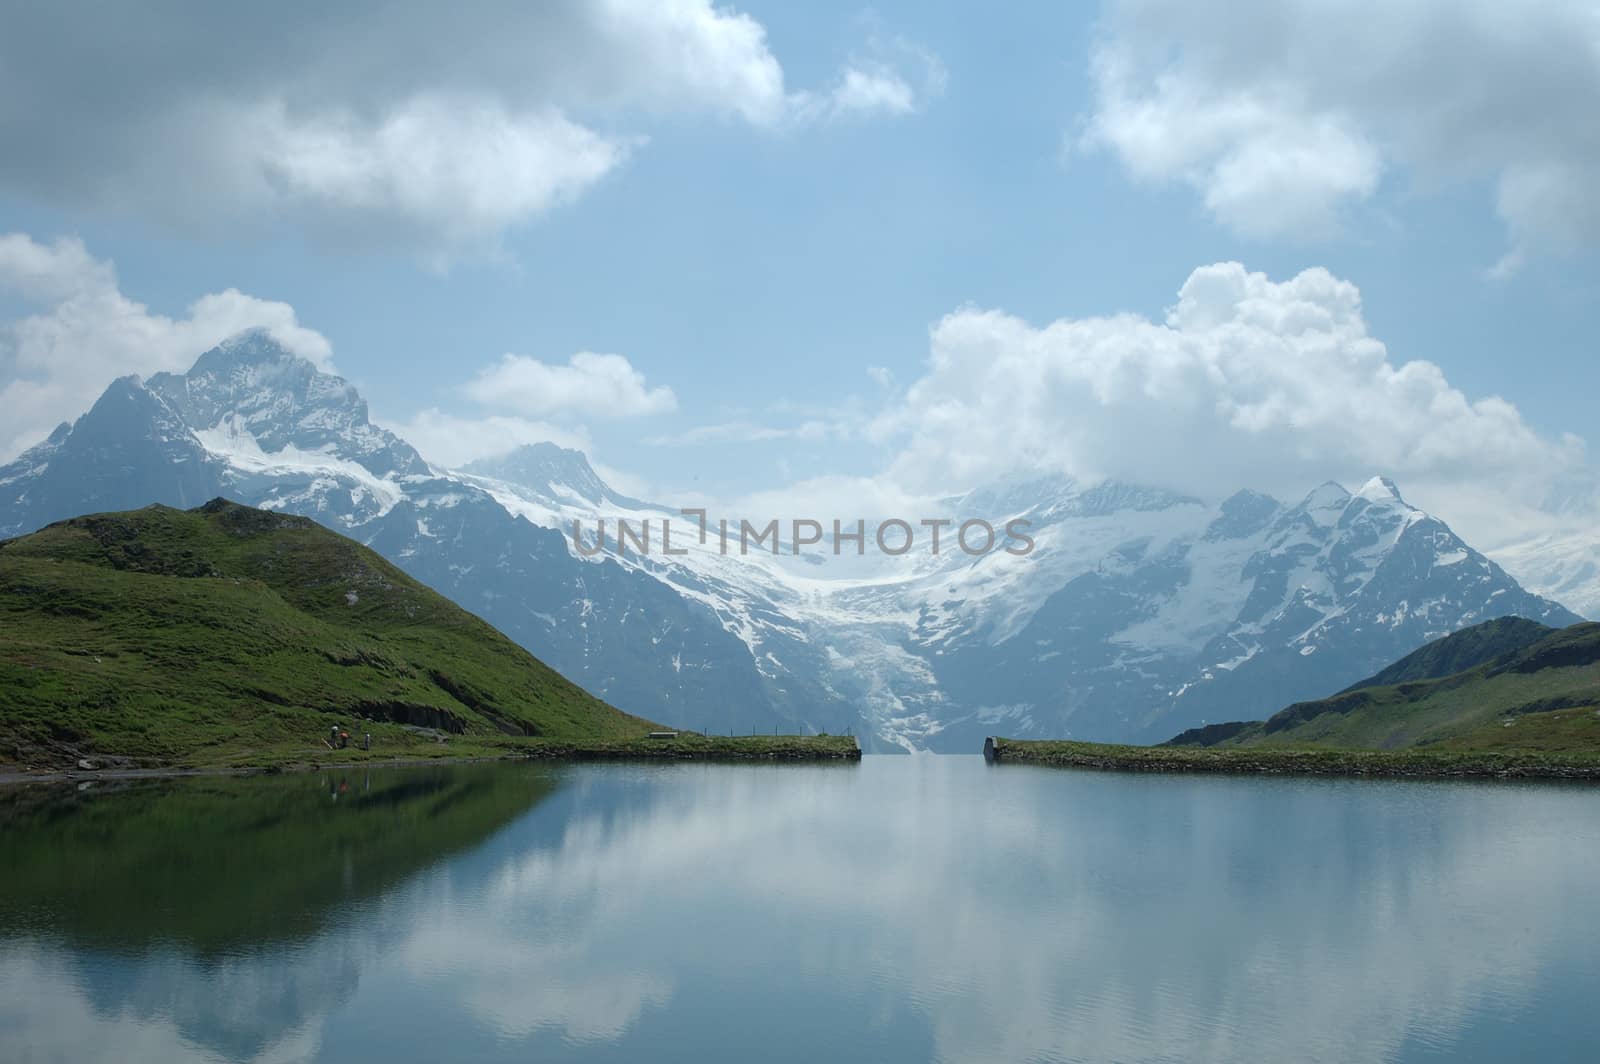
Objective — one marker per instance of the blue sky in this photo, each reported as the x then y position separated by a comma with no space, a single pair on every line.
758,267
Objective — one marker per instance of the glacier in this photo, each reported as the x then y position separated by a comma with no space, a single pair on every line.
1140,611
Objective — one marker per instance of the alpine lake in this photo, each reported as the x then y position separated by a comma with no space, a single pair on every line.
919,908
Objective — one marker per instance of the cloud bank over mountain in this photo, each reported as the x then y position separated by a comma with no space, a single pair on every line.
1247,381
84,332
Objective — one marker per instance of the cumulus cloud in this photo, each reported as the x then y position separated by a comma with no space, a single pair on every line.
458,170
1284,114
451,440
411,125
588,385
868,91
1248,382
893,77
84,332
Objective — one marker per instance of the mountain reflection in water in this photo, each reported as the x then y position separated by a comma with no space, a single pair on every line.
907,908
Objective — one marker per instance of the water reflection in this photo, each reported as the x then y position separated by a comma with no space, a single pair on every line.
216,918
908,908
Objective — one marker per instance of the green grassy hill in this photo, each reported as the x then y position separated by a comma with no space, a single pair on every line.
1518,690
208,636
1460,651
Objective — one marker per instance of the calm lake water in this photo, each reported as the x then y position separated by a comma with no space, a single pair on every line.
903,909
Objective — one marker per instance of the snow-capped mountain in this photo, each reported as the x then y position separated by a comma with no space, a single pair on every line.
254,423
556,477
1563,565
1139,612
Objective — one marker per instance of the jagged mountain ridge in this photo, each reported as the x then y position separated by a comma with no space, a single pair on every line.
1197,612
272,432
1139,613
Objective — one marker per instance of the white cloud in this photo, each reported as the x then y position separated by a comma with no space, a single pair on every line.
835,495
451,441
428,128
85,332
1247,383
1284,114
462,170
876,83
589,384
751,432
871,91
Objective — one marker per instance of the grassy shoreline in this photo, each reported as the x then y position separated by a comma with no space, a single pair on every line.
1257,761
685,747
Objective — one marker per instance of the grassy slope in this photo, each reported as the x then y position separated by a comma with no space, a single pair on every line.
215,634
1540,698
1257,760
1460,651
1528,705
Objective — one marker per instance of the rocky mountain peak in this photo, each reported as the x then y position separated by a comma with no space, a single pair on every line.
1325,504
547,471
1381,489
1242,515
251,347
126,409
250,385
254,376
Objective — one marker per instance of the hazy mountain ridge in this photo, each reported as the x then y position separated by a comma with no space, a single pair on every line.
1140,611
